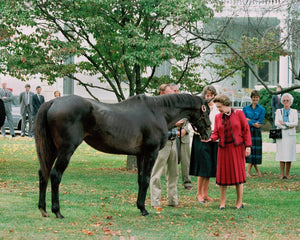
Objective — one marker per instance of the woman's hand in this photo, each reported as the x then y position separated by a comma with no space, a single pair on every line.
256,125
208,140
248,151
281,122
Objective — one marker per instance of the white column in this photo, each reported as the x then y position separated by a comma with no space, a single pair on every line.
285,73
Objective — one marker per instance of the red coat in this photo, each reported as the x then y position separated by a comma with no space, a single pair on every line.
240,129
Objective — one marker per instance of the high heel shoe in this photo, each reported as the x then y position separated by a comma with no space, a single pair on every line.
202,202
222,208
242,206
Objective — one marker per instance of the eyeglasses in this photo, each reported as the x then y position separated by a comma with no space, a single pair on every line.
285,100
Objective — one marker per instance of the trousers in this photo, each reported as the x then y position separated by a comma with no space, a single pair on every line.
166,162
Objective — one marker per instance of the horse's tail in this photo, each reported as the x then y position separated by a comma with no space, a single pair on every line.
2,113
45,147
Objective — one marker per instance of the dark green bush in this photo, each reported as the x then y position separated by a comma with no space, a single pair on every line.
265,101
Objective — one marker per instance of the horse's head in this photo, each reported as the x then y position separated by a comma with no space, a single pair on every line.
200,120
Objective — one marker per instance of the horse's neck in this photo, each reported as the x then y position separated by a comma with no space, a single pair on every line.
176,108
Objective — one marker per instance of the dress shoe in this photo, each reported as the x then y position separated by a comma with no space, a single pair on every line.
222,208
157,208
173,205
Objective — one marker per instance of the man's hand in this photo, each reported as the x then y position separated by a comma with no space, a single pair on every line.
179,123
183,132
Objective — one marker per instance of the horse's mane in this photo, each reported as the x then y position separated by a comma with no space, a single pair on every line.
169,100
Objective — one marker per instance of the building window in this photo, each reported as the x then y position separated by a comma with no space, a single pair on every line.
263,72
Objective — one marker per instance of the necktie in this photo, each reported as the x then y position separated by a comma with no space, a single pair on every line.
5,92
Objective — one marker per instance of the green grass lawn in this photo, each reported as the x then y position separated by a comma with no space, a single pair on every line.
98,200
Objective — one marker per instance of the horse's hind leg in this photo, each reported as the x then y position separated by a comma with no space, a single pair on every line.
145,164
63,159
42,194
43,186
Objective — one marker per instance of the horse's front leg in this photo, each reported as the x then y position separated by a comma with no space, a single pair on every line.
145,164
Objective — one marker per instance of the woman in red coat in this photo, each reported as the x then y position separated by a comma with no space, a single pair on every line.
232,130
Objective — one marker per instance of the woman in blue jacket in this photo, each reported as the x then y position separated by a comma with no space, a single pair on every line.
255,115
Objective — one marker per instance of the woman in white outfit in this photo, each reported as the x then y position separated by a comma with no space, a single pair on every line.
286,118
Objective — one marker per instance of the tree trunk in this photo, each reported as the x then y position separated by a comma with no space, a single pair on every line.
131,163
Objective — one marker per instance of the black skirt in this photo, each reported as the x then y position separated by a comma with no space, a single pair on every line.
203,158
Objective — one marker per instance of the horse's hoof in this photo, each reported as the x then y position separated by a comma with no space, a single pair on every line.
145,213
58,215
44,213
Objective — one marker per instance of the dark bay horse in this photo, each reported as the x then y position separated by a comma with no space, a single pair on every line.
137,126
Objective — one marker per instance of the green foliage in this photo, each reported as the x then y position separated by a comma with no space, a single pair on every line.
265,101
266,97
116,41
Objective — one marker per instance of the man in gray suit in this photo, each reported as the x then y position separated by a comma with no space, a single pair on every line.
37,101
7,98
26,109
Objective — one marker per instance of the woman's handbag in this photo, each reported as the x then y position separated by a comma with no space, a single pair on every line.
275,133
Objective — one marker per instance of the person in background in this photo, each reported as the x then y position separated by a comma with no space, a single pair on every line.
287,120
56,93
37,101
255,115
26,109
232,130
204,154
276,104
166,162
183,147
7,98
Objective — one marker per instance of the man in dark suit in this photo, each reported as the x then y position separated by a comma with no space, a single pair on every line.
276,103
26,109
7,98
37,101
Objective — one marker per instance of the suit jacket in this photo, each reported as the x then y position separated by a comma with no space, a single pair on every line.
293,121
275,104
240,129
22,99
36,103
9,98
